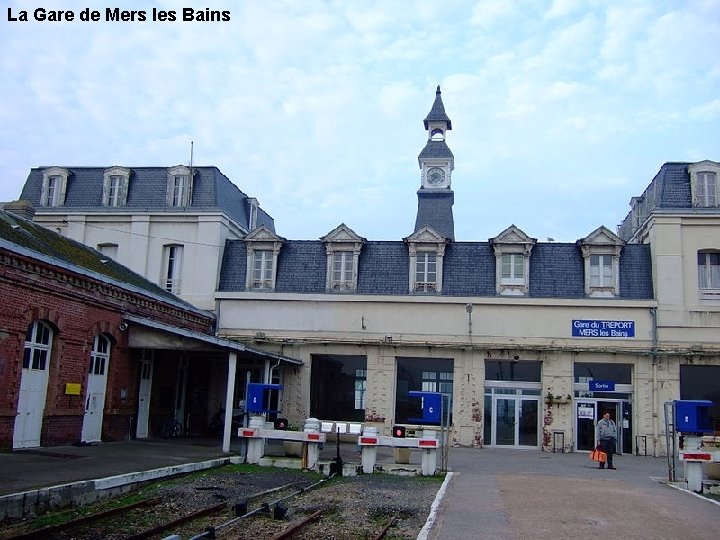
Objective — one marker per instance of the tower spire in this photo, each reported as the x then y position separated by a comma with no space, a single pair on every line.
436,161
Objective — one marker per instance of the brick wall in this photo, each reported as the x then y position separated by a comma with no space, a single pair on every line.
78,308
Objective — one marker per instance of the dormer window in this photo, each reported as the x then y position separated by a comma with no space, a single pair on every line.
426,272
342,247
426,249
263,269
601,271
54,186
179,186
263,248
115,186
601,251
704,177
512,261
512,269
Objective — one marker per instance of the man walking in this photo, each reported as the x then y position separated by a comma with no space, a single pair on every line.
607,437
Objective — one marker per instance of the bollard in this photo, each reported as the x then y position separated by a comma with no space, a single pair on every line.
256,445
368,448
312,455
428,442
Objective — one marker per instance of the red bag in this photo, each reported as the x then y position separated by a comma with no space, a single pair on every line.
599,456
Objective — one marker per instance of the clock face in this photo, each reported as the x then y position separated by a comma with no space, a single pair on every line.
435,176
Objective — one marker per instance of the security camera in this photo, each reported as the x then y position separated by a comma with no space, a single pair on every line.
123,326
516,357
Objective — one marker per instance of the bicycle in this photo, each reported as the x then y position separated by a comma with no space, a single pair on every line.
171,428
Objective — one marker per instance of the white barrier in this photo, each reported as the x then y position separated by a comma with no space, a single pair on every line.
693,455
370,440
256,433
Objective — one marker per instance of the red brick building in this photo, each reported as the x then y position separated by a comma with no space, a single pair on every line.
90,351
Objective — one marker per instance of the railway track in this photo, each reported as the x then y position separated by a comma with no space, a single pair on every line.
218,508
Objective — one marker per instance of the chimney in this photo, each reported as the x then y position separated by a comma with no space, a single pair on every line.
20,208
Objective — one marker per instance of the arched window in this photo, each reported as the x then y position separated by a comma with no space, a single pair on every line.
37,346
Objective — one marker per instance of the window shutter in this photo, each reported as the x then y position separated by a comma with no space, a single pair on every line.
188,193
63,188
169,193
44,193
125,185
106,190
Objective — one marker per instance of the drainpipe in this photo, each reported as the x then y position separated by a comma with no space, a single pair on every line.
272,370
655,360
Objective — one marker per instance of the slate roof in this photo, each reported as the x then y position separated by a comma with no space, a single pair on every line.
212,190
669,190
556,269
28,238
435,211
435,149
437,112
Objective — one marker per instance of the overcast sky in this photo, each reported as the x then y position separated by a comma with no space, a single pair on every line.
561,110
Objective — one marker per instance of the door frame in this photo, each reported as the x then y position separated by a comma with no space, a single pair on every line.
518,399
96,391
147,364
600,405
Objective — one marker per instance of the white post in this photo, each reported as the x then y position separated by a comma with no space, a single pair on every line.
256,445
312,425
368,452
229,396
429,456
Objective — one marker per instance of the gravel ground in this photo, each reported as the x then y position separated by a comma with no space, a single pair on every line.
352,507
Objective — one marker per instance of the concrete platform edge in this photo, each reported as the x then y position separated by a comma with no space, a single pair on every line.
33,501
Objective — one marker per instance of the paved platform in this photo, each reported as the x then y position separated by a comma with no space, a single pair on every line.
491,493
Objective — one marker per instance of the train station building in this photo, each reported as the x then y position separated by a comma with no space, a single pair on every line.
528,342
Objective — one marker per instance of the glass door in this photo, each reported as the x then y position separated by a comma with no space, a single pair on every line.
505,422
515,421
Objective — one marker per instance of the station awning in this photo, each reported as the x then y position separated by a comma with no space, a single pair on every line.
149,334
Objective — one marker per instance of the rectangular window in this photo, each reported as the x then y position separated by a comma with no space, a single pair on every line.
513,268
426,272
360,389
706,189
53,190
422,374
179,190
601,271
709,271
115,187
337,387
342,270
262,271
109,250
173,264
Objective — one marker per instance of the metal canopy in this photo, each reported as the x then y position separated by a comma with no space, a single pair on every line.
149,334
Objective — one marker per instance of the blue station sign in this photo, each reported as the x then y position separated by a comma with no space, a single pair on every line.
603,329
601,386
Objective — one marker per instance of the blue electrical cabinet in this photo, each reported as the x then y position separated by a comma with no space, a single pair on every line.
429,405
263,398
693,416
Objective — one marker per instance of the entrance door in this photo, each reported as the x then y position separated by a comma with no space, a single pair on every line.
515,421
33,386
95,395
587,414
144,393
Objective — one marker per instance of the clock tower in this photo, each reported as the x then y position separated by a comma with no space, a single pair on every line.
436,161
